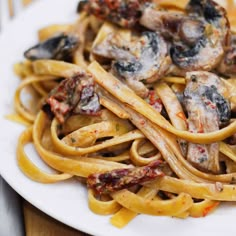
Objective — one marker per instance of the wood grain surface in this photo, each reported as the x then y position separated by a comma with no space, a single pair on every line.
38,223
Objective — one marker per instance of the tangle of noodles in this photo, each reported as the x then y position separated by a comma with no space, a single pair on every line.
128,131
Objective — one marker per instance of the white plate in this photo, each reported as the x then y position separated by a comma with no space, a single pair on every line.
67,201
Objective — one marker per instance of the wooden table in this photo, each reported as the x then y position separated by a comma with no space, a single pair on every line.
39,224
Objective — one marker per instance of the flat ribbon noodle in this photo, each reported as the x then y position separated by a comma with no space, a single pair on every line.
29,168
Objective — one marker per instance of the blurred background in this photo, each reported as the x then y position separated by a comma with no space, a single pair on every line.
11,4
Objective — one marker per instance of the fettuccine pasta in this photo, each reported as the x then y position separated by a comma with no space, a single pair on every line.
139,106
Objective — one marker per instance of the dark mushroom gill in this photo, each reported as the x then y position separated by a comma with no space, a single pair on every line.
207,110
60,47
209,50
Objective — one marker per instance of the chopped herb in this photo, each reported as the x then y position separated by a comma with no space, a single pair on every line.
73,140
117,127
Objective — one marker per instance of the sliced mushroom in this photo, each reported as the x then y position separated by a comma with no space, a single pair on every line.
114,46
209,50
125,13
202,56
207,109
141,59
150,61
214,14
173,26
74,95
59,47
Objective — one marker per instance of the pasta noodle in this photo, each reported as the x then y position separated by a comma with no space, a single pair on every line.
113,107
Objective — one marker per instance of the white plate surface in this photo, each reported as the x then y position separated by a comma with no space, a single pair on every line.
67,201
